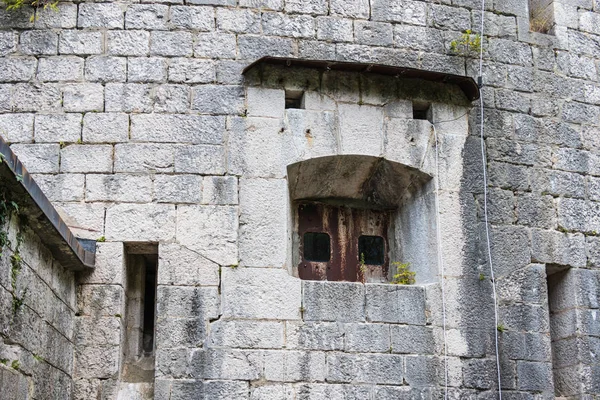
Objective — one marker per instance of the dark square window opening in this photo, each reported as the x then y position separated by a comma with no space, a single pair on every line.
371,250
294,99
317,247
421,110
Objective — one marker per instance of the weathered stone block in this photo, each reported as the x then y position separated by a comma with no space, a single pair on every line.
220,190
180,332
297,26
97,362
17,69
510,248
86,220
215,45
187,70
106,69
139,222
144,157
251,141
247,334
351,9
315,335
100,15
132,97
421,371
525,317
97,332
80,42
225,389
179,128
367,338
187,302
361,128
534,376
38,158
105,128
40,42
295,366
218,99
128,43
226,364
373,33
60,68
279,293
365,368
526,346
147,17
553,247
8,42
253,47
238,20
318,7
171,44
99,300
83,97
217,239
16,127
395,303
412,339
178,188
272,392
335,29
200,159
109,265
180,266
406,11
119,187
266,102
263,235
172,99
479,373
147,69
200,19
86,158
63,187
333,301
57,128
40,97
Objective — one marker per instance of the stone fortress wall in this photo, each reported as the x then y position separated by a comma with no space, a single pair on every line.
138,124
37,318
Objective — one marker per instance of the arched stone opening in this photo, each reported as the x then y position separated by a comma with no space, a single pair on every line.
355,217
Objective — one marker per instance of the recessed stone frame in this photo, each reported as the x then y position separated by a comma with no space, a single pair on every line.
351,114
350,197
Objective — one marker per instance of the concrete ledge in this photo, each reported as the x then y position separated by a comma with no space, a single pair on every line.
41,215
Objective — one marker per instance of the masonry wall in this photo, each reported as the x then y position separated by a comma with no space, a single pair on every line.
37,312
138,125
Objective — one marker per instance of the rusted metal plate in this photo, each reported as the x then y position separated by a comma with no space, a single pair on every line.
466,83
344,225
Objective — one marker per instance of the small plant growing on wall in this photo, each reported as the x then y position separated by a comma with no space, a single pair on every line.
403,275
468,45
37,5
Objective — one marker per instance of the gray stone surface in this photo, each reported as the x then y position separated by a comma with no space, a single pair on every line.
333,301
280,294
138,124
395,303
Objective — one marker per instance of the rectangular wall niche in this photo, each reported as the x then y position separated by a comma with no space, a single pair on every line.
140,312
562,314
541,15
